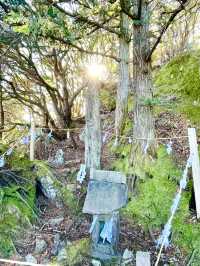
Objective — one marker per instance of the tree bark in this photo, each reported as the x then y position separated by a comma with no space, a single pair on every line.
2,116
123,86
143,111
93,140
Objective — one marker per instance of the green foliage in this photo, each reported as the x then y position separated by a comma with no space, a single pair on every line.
122,163
181,77
17,199
76,252
107,97
151,206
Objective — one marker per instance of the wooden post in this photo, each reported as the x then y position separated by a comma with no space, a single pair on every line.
195,167
93,126
143,258
32,140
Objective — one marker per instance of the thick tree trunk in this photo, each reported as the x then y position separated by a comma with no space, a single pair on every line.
122,91
93,141
2,116
143,112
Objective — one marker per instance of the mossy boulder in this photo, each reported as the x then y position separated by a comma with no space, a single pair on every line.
52,188
75,253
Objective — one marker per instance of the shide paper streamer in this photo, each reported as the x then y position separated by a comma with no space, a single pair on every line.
163,240
81,174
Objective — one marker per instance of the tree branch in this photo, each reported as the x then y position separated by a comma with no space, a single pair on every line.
165,27
80,18
55,38
76,94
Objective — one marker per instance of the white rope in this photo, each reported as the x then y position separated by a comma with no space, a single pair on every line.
163,240
118,137
22,263
161,138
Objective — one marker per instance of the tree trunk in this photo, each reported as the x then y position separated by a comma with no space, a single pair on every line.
2,116
123,86
93,141
143,112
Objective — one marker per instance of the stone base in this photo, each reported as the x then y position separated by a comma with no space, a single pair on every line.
105,253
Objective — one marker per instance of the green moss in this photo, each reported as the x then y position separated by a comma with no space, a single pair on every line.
107,97
151,206
155,191
76,252
17,199
6,247
64,194
181,78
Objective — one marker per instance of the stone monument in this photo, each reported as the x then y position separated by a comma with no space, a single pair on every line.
107,193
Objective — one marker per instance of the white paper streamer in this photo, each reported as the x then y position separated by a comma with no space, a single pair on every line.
25,140
9,151
68,134
59,158
169,147
95,219
106,233
2,161
81,174
146,147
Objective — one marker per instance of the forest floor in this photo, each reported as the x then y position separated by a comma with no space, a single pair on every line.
75,227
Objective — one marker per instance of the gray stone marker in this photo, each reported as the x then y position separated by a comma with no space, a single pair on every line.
107,193
143,258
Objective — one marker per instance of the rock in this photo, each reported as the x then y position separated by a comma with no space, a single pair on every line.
127,256
58,245
74,253
50,190
62,255
143,258
48,183
46,261
56,242
56,221
96,262
59,158
31,259
40,246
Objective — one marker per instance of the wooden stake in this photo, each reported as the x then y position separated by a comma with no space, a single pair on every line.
195,167
32,140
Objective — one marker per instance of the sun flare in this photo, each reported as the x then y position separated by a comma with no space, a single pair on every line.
96,71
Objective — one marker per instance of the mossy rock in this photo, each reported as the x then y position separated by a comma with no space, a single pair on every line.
75,253
53,189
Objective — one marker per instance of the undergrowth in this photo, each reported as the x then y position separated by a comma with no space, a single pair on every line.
156,188
180,78
17,199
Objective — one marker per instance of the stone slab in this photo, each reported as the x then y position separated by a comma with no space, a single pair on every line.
143,258
109,176
105,197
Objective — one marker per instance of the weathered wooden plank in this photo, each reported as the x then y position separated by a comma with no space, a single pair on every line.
143,258
195,167
109,176
32,140
93,140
